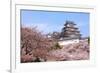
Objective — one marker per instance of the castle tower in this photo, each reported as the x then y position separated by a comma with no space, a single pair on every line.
69,31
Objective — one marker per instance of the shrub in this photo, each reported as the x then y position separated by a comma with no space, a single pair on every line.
56,46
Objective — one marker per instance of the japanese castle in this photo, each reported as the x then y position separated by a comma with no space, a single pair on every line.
70,34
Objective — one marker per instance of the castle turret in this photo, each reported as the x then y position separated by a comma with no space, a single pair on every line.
69,31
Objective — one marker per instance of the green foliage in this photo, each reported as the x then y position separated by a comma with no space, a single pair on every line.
88,39
56,46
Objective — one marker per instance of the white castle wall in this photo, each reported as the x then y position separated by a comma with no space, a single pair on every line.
66,42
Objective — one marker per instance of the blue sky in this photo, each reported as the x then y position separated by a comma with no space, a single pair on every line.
47,21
